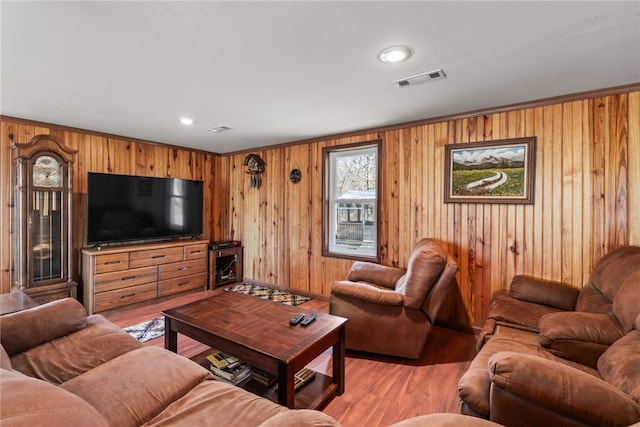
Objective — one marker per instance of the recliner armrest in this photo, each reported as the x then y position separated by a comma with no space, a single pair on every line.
383,275
366,292
552,294
578,336
522,383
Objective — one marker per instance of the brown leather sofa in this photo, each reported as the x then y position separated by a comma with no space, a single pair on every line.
64,368
553,355
391,310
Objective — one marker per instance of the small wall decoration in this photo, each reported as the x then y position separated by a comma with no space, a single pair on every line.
255,167
490,172
295,176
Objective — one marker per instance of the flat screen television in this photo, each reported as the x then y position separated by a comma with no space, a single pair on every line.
126,208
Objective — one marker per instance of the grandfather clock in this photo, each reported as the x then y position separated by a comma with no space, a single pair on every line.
42,186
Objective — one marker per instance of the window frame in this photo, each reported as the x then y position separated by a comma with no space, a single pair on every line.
327,191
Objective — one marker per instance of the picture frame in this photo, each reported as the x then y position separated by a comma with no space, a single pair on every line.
500,171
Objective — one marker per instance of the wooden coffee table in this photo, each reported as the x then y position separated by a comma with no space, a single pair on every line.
258,332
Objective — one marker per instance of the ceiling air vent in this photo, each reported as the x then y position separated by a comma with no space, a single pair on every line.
420,78
219,129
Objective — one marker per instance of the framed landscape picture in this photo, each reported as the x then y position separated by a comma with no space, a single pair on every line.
490,172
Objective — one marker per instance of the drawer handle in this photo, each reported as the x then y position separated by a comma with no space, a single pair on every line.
183,283
128,278
157,256
184,268
111,262
127,296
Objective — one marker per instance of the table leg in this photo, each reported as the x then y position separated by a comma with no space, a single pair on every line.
286,393
338,362
170,336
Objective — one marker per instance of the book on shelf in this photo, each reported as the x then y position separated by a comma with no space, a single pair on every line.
231,373
222,360
243,376
304,376
262,377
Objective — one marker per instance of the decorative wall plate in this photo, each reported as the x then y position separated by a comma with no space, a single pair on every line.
295,176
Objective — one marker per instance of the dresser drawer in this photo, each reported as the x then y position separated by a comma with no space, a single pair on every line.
181,284
155,257
121,279
198,251
111,262
125,296
180,269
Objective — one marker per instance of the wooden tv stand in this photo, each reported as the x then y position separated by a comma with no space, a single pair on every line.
117,276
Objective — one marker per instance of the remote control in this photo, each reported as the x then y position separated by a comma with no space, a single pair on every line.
309,319
296,320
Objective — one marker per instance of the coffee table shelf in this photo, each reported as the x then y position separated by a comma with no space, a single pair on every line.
258,332
313,395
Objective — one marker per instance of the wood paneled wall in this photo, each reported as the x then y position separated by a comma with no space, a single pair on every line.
587,197
587,200
100,153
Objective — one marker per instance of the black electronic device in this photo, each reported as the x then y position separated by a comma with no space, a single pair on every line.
297,319
126,208
225,245
308,319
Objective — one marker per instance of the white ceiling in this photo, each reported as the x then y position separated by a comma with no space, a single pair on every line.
277,72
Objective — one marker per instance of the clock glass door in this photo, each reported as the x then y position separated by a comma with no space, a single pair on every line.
47,221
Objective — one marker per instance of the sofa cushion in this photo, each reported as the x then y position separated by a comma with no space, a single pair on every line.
28,328
613,269
620,365
425,266
216,403
301,417
27,401
97,343
626,303
445,420
136,386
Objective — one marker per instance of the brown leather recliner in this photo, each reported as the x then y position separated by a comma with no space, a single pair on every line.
391,310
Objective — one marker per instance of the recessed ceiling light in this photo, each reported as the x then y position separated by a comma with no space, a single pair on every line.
186,120
395,54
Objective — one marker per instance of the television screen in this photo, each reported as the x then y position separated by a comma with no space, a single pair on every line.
123,208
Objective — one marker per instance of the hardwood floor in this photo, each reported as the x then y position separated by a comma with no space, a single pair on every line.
379,390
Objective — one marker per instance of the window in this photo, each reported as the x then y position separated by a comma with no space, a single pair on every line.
350,196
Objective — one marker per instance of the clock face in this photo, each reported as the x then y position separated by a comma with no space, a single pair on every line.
47,172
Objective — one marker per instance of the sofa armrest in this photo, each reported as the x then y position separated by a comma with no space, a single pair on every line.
578,336
546,391
28,328
366,292
552,294
383,275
